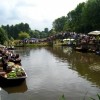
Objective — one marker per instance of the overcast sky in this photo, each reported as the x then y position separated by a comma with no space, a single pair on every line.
39,14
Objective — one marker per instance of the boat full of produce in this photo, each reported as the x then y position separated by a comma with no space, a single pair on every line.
14,74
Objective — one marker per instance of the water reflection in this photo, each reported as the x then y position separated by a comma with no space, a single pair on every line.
24,51
86,64
56,71
16,89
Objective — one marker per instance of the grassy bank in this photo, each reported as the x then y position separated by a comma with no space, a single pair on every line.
32,45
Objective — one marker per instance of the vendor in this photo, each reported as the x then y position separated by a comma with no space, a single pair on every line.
4,62
17,59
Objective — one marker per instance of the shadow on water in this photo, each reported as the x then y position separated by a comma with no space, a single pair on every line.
86,64
21,88
25,51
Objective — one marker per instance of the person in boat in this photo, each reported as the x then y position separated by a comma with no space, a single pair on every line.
4,62
11,57
17,59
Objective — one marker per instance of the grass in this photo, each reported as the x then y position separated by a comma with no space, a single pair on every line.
32,45
62,97
95,99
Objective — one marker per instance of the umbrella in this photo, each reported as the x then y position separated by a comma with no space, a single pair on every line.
94,33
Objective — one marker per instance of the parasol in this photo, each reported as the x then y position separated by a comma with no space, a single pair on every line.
94,33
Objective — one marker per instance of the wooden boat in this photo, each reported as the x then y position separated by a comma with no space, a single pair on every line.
14,75
11,48
16,89
81,49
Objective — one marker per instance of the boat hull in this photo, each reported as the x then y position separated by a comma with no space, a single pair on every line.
11,82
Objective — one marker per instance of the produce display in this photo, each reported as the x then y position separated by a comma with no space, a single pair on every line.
10,64
15,71
11,69
20,72
12,74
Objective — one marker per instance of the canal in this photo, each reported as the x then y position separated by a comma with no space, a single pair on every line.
53,72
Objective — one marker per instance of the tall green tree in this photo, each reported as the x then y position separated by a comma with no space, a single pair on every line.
59,23
3,36
46,30
91,15
83,19
14,30
75,18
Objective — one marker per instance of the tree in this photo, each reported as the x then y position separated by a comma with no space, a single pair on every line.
23,35
91,15
52,32
59,23
14,30
35,34
3,36
43,34
75,18
46,30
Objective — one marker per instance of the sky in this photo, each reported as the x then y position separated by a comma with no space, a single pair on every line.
39,14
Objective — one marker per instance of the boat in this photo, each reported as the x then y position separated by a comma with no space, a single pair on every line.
10,48
16,89
14,75
80,49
